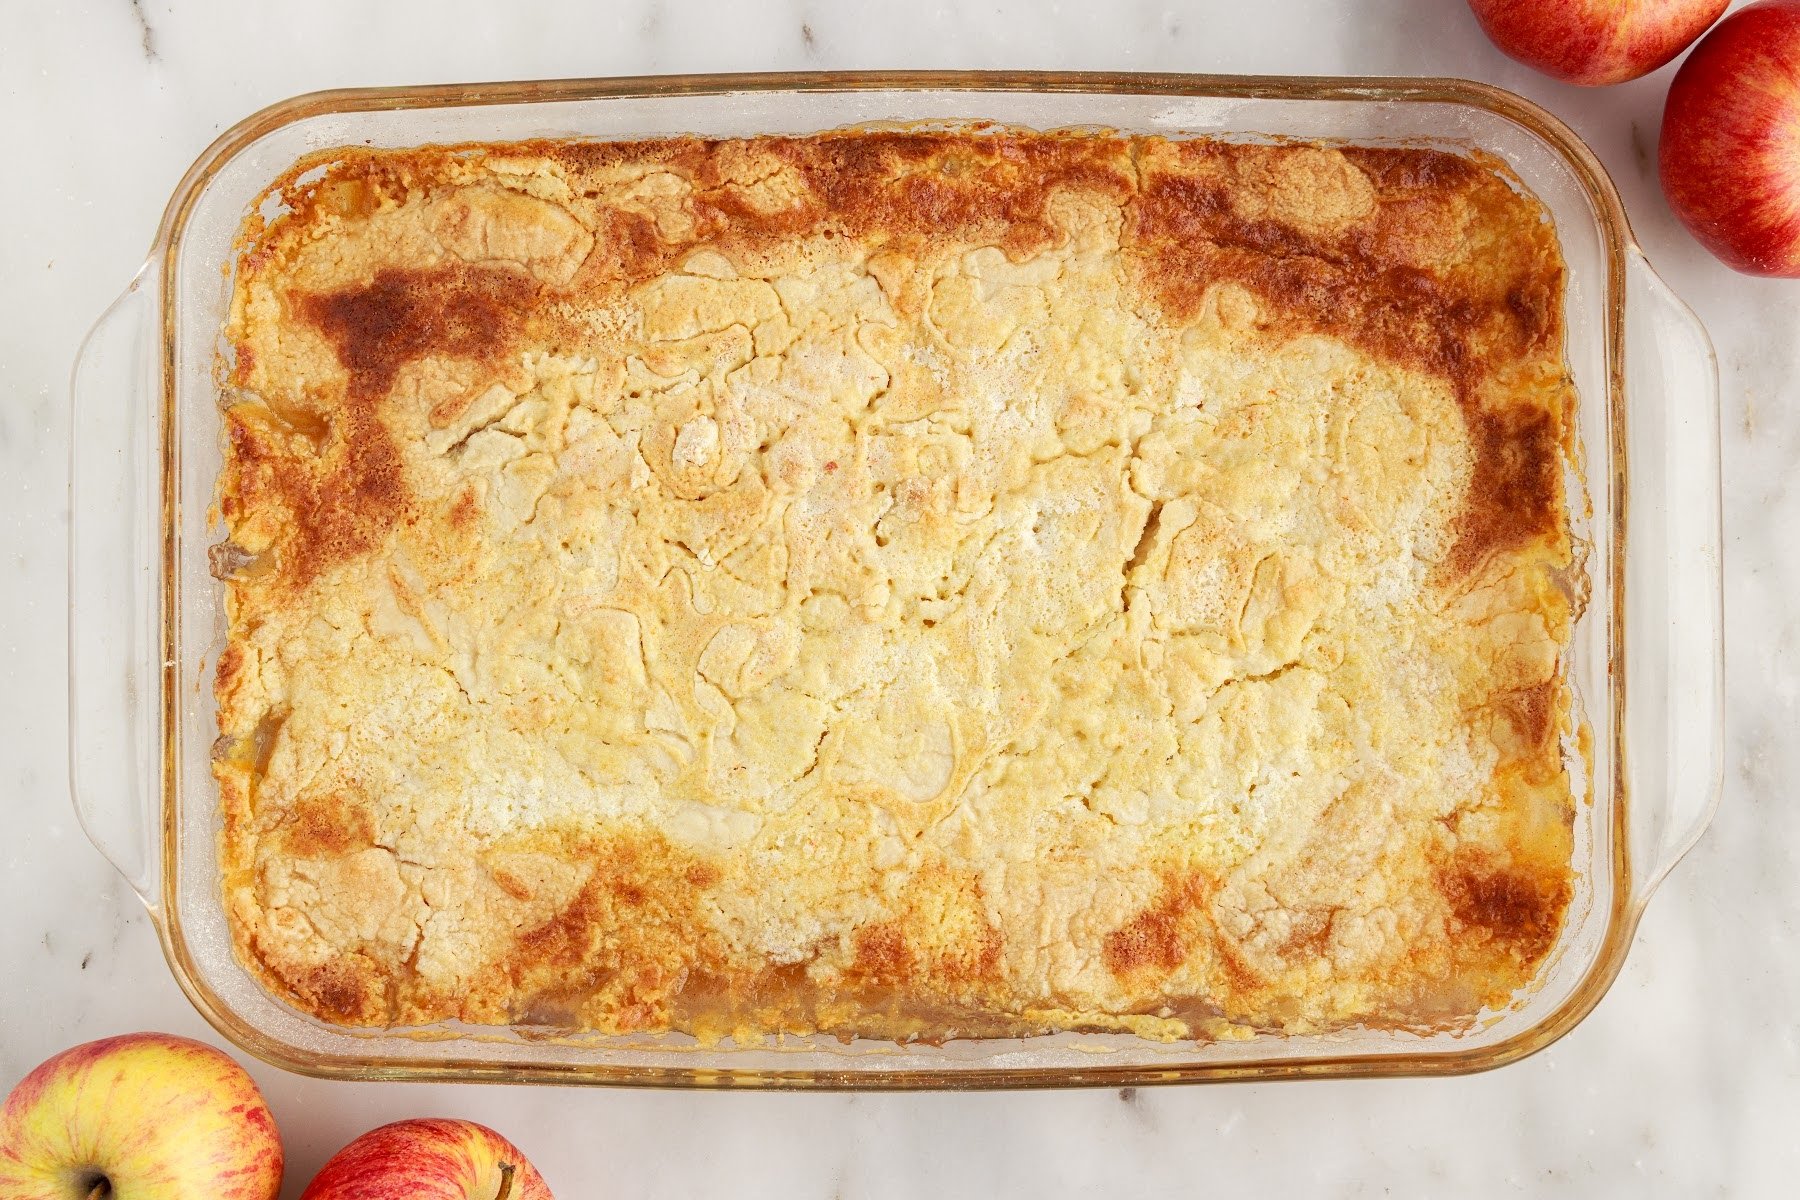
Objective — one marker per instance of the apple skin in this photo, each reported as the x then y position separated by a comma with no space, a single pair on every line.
432,1158
1730,152
158,1117
1595,42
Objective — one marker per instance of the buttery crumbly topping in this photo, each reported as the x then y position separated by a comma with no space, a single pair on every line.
907,584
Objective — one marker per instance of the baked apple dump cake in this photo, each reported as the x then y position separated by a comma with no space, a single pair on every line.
901,584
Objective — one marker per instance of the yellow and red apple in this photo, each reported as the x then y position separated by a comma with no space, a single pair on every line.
1595,42
428,1159
1730,153
145,1116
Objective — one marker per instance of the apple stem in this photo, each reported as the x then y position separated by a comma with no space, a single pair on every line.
101,1191
506,1178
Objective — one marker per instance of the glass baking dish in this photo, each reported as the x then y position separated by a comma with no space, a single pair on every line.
1646,661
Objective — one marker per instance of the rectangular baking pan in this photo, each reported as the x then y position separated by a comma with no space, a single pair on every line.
146,620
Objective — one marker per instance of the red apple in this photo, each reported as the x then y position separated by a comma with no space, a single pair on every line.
1595,42
431,1159
146,1116
1730,155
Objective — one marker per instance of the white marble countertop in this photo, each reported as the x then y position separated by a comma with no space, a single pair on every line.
1685,1080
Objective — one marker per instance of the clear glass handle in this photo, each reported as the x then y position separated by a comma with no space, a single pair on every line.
1674,615
114,606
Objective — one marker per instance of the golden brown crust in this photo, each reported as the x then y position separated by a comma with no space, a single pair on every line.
911,584
1398,284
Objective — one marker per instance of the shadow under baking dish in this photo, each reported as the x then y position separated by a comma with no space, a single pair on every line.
1644,664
